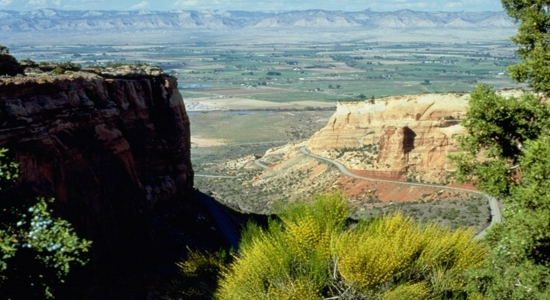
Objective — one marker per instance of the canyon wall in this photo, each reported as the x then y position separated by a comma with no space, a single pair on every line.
111,145
395,137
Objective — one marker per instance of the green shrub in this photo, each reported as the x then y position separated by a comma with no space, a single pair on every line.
37,250
198,275
58,70
312,253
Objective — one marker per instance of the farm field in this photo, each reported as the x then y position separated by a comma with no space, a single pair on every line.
241,133
317,73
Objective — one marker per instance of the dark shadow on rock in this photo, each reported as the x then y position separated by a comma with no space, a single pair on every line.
197,222
408,140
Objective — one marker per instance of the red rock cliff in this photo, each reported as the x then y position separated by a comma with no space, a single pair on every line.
111,147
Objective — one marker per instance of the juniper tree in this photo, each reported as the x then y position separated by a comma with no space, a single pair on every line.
507,154
533,39
37,249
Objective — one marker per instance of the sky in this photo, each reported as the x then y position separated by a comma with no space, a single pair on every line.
255,5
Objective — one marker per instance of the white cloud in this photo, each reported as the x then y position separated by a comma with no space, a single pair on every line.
141,5
194,4
41,3
5,2
36,2
472,5
185,3
347,5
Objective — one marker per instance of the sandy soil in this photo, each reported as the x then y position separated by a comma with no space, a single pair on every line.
391,192
243,91
202,104
197,141
337,70
207,67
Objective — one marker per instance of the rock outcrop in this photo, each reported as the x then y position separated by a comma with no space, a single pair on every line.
111,148
395,137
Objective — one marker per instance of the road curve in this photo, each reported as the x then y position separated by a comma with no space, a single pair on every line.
260,164
496,216
216,176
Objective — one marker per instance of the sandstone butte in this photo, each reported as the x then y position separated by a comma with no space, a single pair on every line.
395,137
112,147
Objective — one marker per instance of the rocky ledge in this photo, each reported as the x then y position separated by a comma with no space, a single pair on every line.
111,145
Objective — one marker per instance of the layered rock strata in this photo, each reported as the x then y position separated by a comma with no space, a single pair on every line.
395,137
111,146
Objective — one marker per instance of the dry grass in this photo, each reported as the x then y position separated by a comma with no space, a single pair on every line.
241,91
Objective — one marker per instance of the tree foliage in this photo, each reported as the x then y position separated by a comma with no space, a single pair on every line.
198,275
533,39
507,154
312,253
8,64
36,249
497,129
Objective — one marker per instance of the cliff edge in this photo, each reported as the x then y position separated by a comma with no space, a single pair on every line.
111,145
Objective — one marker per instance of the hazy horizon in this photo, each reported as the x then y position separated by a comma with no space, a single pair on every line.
251,5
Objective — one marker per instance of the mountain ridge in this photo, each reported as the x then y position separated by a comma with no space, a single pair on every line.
49,19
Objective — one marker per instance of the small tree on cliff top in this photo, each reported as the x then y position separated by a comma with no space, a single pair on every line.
8,64
36,249
4,49
507,154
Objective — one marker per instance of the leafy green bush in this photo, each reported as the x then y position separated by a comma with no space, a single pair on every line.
198,275
506,155
37,250
58,70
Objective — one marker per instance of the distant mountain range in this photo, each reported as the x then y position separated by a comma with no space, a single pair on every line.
54,19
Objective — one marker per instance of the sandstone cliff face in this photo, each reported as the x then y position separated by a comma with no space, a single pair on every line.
111,147
396,137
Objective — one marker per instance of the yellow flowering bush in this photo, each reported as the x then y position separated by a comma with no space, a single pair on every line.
313,253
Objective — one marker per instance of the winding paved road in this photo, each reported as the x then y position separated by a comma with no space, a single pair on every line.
260,164
496,216
215,176
232,235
